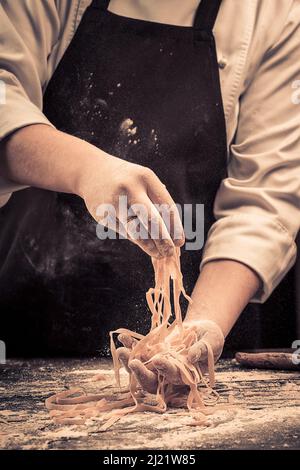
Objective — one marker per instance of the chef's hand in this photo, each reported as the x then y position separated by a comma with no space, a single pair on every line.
207,331
142,190
43,157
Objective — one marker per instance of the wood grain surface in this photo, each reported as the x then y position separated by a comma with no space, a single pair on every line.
261,410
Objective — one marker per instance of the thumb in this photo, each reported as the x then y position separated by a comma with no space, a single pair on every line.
197,352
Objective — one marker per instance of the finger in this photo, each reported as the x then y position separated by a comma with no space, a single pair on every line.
123,354
160,196
175,225
197,352
147,228
134,226
154,226
168,370
172,220
108,221
146,378
126,340
148,246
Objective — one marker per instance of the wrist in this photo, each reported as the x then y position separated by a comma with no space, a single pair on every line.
89,172
221,293
204,312
223,325
204,323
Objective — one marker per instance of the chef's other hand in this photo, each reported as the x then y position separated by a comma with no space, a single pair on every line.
207,331
114,185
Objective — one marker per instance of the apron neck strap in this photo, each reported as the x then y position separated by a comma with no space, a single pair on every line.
100,4
205,18
206,14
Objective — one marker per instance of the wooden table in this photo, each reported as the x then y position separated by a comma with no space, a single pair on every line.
264,411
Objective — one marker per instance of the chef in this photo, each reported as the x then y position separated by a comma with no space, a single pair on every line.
162,102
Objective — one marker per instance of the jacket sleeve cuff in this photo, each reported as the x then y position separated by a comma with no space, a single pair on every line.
259,242
16,120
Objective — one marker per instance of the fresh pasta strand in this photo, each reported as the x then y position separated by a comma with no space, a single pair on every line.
168,337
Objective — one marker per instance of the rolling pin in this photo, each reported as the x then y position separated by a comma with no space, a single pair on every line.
284,359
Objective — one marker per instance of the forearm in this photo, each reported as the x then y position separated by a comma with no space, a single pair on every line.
41,156
223,289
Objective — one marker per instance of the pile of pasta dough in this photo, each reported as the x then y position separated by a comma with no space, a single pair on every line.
169,337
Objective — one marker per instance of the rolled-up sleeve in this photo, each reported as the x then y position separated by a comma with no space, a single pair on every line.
29,30
257,207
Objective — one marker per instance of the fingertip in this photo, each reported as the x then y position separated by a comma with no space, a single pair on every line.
134,364
123,355
151,250
146,378
126,340
139,369
197,352
157,255
160,365
166,248
192,357
164,366
179,242
169,252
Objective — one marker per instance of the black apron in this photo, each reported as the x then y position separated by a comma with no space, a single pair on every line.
63,289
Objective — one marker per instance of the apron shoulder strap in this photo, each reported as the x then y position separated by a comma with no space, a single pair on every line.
206,14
